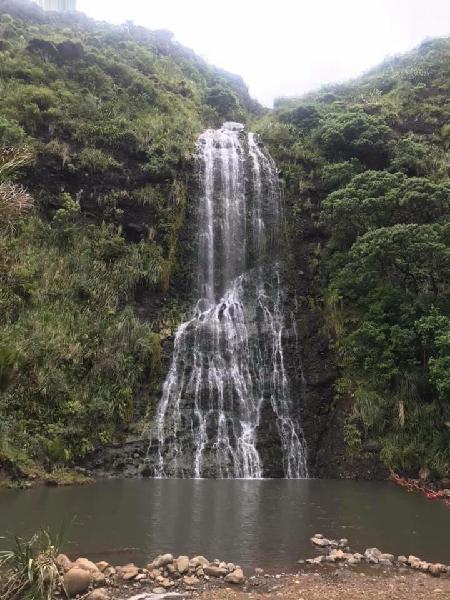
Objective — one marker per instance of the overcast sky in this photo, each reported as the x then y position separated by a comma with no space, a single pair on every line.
287,47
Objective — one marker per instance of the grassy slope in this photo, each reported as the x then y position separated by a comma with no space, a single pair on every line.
366,166
111,115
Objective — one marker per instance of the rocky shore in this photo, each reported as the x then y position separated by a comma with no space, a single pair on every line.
185,577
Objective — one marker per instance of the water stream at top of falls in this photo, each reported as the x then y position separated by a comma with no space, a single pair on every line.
228,365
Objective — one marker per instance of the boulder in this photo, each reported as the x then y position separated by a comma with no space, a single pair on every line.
215,571
235,577
182,564
77,581
64,562
86,565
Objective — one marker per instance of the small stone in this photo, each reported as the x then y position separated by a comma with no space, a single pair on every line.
158,590
235,577
402,559
77,581
215,571
372,555
109,572
154,573
98,578
436,569
141,577
343,542
166,583
385,556
321,542
198,561
191,580
99,594
260,572
230,567
102,565
318,535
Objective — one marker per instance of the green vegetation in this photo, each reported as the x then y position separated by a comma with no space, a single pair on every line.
29,569
99,123
366,167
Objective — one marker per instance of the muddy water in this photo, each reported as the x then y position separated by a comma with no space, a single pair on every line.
264,523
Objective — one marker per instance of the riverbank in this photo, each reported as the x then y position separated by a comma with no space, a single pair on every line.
338,585
335,567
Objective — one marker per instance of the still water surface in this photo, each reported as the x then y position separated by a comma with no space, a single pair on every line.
264,523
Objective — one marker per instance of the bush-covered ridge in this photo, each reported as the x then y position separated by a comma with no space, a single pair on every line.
101,122
366,166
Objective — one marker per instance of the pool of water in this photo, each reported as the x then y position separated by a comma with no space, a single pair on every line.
264,523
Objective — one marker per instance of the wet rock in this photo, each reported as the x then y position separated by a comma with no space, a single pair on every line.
162,560
413,561
386,556
154,573
77,581
102,566
372,555
182,564
320,541
98,578
64,562
109,572
215,571
436,569
86,565
99,594
316,561
235,577
198,561
128,572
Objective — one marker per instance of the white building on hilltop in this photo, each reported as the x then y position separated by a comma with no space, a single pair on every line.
58,5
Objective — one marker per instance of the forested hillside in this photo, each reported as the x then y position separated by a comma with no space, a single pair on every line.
97,233
366,168
99,123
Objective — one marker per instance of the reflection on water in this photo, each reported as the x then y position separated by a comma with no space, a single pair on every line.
263,523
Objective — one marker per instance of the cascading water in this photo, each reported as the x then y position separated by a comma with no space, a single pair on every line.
228,358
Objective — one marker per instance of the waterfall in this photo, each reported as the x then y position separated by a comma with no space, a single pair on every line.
228,359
